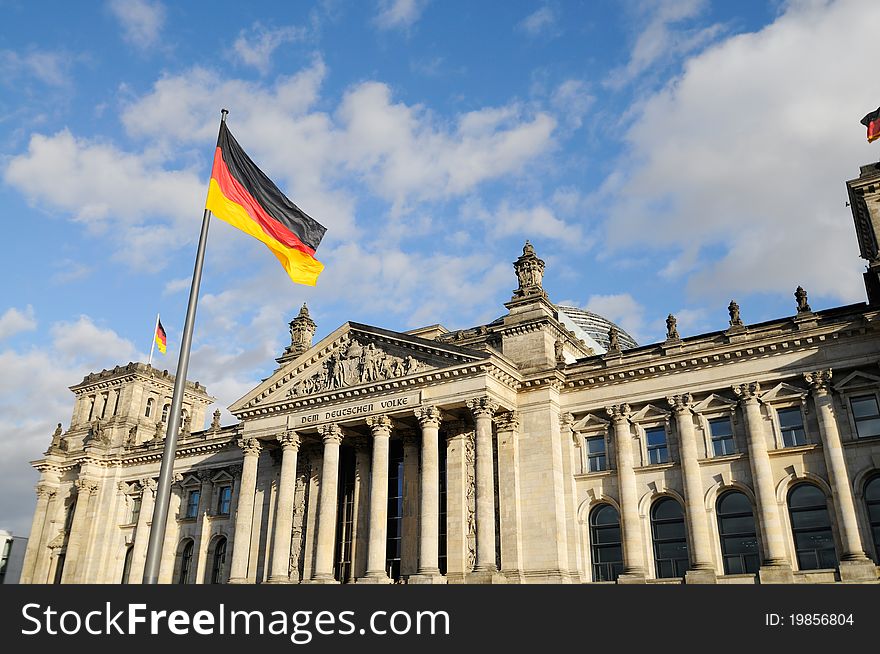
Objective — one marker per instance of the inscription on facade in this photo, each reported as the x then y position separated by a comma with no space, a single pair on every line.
360,409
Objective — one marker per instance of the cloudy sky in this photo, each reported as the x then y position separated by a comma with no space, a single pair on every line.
663,156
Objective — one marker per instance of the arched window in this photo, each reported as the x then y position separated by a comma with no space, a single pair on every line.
872,502
165,410
670,538
186,555
183,417
149,410
218,561
811,528
605,544
739,540
126,566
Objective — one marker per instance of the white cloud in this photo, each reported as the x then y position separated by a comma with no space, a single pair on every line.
622,309
399,14
255,46
84,341
533,222
747,152
14,321
543,22
51,68
141,21
572,100
659,39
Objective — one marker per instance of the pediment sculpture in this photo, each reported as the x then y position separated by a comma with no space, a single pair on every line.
358,364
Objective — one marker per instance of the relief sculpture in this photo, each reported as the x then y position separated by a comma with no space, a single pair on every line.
358,364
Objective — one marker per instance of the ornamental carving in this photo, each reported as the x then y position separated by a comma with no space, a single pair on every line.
250,446
302,330
482,406
672,328
471,499
288,440
747,392
89,486
618,412
819,380
801,296
680,403
379,425
359,364
428,416
330,434
529,272
507,421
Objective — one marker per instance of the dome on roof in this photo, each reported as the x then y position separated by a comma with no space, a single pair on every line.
597,327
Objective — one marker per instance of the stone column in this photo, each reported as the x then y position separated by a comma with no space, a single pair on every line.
244,514
429,498
142,529
36,547
170,564
702,568
507,425
203,535
409,543
280,573
361,527
327,505
633,552
380,427
457,563
86,490
485,568
776,568
854,564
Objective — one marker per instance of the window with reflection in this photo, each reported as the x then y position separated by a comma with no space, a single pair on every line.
872,503
605,543
867,415
224,499
791,423
655,437
670,538
186,556
739,539
165,410
811,528
192,504
135,509
218,561
149,410
595,453
722,436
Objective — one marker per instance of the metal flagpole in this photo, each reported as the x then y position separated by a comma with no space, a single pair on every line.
153,341
163,491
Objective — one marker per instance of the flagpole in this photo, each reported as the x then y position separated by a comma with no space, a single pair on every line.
166,471
153,341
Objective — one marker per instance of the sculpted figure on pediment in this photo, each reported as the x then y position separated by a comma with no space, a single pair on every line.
358,364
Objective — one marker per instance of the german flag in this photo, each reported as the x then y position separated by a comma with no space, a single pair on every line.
161,338
872,122
242,195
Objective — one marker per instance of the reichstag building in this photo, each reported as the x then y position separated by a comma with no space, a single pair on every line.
544,447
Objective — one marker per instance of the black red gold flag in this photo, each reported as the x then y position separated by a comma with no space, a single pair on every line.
872,122
243,196
161,338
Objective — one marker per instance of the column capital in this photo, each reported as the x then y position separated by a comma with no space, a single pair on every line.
428,416
481,406
680,404
148,484
205,474
748,392
45,491
330,434
288,440
618,413
89,486
250,446
379,425
507,421
819,381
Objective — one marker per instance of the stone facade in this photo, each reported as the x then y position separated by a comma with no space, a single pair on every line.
521,451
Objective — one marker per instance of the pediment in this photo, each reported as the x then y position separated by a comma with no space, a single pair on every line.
355,356
857,379
782,392
714,402
590,422
649,412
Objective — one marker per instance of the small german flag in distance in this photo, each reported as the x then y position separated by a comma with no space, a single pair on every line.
872,122
161,339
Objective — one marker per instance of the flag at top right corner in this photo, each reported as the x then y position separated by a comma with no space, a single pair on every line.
872,122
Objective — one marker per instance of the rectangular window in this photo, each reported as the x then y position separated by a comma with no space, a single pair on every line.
135,510
595,453
656,440
791,422
224,499
866,415
722,436
192,504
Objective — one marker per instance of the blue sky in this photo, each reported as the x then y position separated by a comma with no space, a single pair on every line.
662,156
